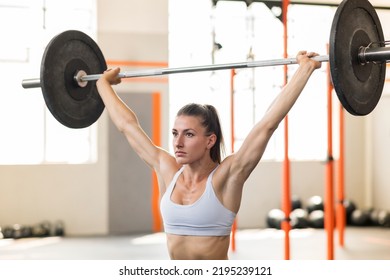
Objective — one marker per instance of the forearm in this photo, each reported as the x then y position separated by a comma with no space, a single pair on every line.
288,96
119,112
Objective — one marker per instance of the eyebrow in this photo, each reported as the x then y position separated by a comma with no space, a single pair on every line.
185,130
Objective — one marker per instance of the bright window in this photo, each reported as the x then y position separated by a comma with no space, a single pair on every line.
29,133
254,33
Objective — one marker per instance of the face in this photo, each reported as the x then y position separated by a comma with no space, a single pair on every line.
190,141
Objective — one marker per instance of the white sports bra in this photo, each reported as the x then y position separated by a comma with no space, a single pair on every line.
205,217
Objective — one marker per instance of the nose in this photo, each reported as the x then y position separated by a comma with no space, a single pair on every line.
178,141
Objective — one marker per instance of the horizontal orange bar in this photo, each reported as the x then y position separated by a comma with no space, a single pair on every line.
137,63
129,63
162,80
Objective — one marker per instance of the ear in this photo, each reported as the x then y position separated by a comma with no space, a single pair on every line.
211,141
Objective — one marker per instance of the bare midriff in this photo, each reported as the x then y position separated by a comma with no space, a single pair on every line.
183,247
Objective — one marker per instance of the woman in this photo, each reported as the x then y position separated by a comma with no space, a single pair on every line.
200,193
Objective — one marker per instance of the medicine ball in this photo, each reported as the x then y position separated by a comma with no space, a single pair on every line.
299,218
27,231
17,231
384,218
8,232
315,203
360,217
349,206
296,202
316,219
275,218
374,217
59,228
42,229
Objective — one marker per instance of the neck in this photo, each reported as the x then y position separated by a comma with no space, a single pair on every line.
199,172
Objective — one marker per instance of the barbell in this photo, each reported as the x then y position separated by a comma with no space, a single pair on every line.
357,57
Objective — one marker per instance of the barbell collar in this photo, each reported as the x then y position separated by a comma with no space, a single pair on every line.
374,54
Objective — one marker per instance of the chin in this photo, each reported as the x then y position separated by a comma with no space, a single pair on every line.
181,161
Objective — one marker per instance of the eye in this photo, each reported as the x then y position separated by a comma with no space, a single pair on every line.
189,134
174,133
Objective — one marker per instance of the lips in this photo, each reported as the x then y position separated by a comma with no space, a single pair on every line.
180,153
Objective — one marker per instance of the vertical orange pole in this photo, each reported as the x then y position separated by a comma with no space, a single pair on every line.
233,73
329,199
156,138
340,221
286,201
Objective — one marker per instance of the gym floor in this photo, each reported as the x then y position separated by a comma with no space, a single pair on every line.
361,243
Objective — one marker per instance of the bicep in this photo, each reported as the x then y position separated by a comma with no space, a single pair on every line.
142,144
236,169
158,159
251,151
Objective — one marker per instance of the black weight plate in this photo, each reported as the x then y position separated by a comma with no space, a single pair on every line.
359,87
70,104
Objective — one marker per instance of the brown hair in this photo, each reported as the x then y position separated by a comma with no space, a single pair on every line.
210,120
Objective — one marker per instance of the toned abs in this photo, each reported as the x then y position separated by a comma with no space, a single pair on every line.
182,247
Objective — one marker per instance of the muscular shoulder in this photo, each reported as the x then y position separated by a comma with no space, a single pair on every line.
227,174
167,169
228,184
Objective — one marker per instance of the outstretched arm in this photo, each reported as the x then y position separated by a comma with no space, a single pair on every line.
126,120
247,157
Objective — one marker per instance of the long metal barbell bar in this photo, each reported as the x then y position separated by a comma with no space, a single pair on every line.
366,55
80,79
